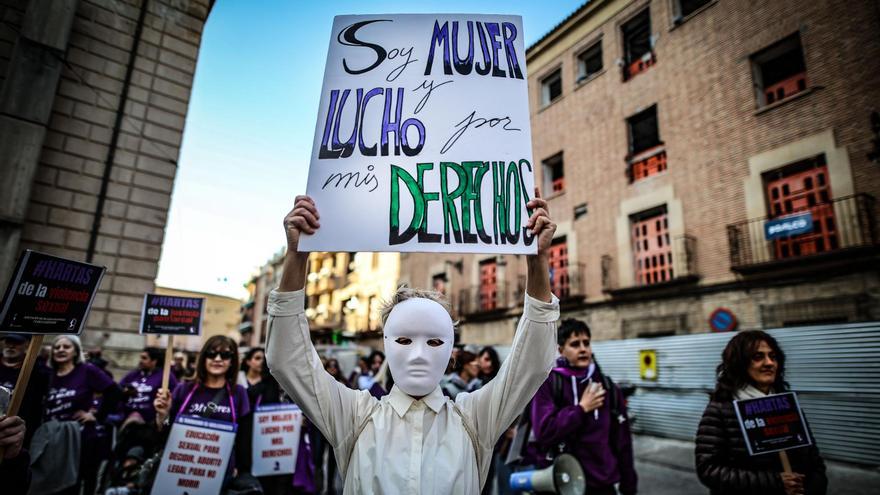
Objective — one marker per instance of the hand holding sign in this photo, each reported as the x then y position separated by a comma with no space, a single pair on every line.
539,222
162,404
793,483
303,218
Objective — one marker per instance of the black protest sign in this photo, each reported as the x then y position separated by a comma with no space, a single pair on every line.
172,315
49,295
772,423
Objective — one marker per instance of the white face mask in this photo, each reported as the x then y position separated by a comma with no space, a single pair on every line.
418,343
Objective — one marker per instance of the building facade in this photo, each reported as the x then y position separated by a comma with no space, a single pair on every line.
344,292
93,99
711,165
221,317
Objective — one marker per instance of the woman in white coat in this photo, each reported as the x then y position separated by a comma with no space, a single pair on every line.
413,440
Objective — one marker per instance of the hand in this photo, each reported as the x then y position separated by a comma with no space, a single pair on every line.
162,405
593,397
84,417
12,430
303,218
540,224
793,483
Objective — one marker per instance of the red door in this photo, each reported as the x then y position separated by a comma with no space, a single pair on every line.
652,249
799,191
488,285
559,281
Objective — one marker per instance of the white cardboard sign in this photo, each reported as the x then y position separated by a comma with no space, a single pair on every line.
195,457
423,140
277,429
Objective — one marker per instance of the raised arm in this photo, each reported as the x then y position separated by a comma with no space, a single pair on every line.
494,407
333,408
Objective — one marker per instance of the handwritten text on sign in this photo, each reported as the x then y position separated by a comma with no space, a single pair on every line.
195,457
772,423
277,429
423,140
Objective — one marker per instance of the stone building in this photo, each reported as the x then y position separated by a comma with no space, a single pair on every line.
93,100
711,165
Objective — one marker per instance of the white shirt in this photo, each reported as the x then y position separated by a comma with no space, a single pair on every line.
409,446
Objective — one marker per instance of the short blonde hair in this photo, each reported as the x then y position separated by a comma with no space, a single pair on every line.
404,292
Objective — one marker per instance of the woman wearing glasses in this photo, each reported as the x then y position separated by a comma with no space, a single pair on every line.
213,394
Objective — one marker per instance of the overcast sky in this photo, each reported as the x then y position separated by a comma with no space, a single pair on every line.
250,125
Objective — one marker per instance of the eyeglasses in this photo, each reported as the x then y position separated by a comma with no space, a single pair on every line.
223,354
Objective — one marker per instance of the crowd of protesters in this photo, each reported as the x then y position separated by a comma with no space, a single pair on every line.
79,431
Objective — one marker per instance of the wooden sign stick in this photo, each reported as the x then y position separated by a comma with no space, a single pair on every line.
169,354
786,464
24,376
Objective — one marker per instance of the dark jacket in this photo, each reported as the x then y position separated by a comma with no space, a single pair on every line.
725,466
560,419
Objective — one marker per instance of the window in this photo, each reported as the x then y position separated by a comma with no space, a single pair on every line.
488,285
560,283
590,62
438,283
779,71
684,8
637,45
646,154
799,188
551,87
554,175
652,249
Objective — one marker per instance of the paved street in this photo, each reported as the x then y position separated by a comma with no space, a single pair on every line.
666,467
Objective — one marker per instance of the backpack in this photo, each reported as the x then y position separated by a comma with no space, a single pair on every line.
557,381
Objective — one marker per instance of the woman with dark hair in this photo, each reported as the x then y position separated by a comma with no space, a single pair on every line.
213,394
752,365
464,375
332,367
73,388
489,364
261,390
252,367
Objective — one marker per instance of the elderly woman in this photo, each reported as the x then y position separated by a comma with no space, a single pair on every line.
413,440
73,388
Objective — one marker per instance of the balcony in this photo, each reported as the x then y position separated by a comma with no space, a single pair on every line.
568,283
682,272
841,230
485,301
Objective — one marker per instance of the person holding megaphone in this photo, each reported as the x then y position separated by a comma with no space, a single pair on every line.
415,439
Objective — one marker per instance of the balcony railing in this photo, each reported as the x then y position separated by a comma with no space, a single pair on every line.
843,224
484,299
684,267
569,282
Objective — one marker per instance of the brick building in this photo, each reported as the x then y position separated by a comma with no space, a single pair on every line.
674,139
93,99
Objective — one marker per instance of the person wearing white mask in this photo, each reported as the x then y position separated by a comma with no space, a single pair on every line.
413,440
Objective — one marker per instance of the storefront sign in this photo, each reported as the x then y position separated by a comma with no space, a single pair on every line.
788,226
772,423
49,295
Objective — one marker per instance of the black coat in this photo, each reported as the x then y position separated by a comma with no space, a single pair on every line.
725,466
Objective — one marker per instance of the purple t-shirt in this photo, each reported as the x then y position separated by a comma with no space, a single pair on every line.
146,385
202,396
75,391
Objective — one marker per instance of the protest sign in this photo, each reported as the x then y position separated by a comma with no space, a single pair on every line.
172,315
277,428
423,140
772,423
195,457
49,295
